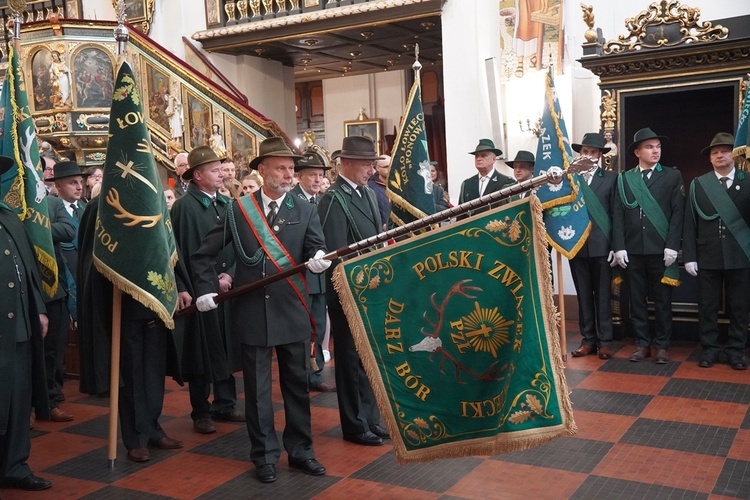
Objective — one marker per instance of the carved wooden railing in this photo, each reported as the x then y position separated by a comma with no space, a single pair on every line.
231,12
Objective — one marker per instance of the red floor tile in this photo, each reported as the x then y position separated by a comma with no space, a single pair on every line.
189,475
615,382
502,480
671,468
353,488
601,426
695,411
741,447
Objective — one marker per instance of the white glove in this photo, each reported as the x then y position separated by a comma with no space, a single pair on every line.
691,268
318,264
611,259
206,302
621,257
669,256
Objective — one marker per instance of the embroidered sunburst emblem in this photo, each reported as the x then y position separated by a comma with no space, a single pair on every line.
486,329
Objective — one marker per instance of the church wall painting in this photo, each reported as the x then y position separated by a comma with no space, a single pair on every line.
94,78
198,113
530,36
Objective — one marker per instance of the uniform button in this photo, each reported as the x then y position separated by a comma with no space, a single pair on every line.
11,284
7,252
223,264
268,296
11,315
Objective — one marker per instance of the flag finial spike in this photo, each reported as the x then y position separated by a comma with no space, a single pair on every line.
417,66
121,31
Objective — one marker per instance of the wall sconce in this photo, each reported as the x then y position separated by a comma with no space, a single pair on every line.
536,129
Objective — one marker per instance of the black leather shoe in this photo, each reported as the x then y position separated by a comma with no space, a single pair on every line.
32,483
706,363
380,431
309,466
365,439
231,416
738,364
266,473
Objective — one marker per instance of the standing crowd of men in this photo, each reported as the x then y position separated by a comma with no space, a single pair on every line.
640,221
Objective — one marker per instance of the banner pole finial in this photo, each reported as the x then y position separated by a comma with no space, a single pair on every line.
417,66
121,31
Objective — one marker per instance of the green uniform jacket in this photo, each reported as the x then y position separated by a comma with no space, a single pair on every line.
11,306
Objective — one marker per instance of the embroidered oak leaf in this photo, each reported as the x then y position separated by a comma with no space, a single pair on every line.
359,278
560,211
534,404
374,283
515,230
413,434
421,423
121,93
496,226
520,417
160,282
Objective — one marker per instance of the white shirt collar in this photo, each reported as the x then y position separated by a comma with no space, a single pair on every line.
729,176
267,200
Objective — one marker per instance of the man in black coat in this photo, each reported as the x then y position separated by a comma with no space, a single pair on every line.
180,167
23,324
271,230
210,351
646,234
349,213
592,274
487,180
65,214
146,349
310,170
716,248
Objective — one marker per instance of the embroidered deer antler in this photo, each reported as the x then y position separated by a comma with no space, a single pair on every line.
113,199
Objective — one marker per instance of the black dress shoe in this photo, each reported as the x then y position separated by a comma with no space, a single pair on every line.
309,466
706,363
266,473
738,364
380,431
230,416
32,483
365,439
166,443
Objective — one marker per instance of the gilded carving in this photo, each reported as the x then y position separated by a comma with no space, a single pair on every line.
665,24
609,110
588,18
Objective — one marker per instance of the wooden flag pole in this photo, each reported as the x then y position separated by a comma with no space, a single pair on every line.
114,376
561,302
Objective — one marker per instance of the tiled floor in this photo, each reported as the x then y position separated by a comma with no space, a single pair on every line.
645,431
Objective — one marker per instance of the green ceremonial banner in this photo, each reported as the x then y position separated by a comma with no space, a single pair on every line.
458,334
24,185
135,247
409,185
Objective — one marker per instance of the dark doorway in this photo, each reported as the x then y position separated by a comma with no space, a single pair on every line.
689,116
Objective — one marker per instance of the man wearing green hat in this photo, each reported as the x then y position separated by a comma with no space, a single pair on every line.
523,169
487,180
716,249
590,267
271,230
646,235
310,170
211,353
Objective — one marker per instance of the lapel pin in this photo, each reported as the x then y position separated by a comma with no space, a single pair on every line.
281,221
276,228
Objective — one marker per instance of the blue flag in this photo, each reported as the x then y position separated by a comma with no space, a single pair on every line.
409,185
741,152
565,214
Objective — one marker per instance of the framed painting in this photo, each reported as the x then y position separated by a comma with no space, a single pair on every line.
198,114
213,13
139,13
157,89
42,80
364,128
94,78
241,145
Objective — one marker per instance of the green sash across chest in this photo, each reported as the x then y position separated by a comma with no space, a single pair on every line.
596,210
645,200
725,209
274,250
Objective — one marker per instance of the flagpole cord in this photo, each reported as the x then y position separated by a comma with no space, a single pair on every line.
554,174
